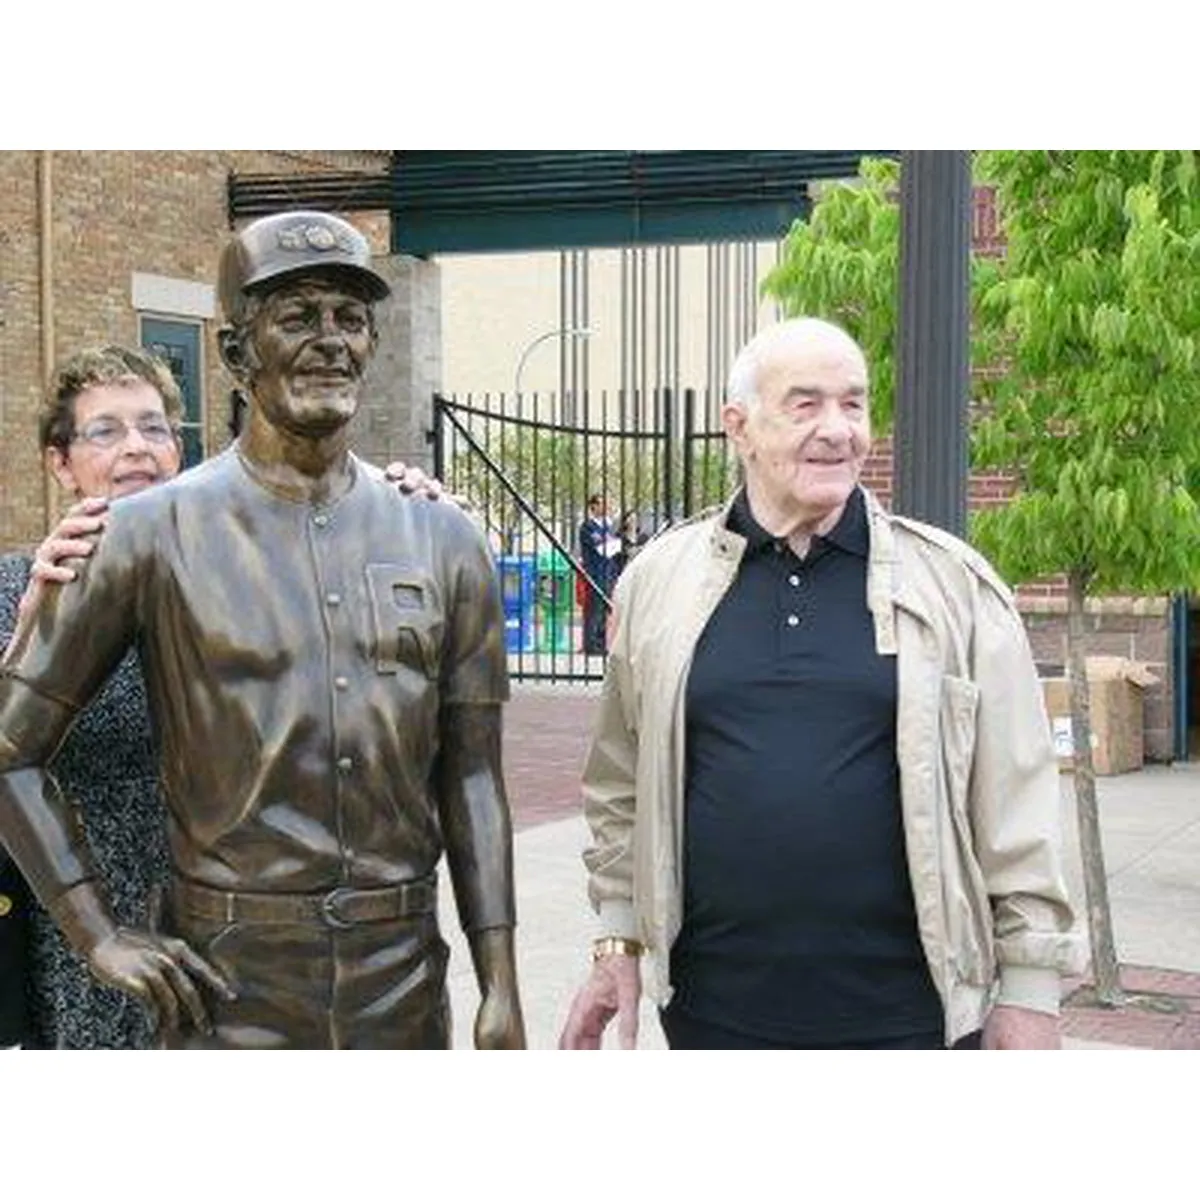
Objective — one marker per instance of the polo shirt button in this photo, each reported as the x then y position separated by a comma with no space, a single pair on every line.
345,765
793,620
794,580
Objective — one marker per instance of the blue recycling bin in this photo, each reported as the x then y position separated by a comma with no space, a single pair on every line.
518,576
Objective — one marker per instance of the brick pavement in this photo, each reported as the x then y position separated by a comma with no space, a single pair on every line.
546,733
1162,1011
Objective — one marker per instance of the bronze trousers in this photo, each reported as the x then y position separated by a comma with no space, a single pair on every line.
378,985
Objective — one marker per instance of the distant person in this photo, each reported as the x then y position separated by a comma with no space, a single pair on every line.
599,546
632,539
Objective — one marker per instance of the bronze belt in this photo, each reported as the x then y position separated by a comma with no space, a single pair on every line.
340,909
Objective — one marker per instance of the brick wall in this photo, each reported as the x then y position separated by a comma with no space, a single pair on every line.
114,213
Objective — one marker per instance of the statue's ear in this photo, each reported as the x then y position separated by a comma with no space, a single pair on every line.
232,354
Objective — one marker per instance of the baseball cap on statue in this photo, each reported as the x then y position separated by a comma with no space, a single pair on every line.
294,243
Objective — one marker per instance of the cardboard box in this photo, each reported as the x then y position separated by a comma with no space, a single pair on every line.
1118,730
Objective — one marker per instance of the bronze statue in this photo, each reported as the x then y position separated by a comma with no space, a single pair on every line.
325,664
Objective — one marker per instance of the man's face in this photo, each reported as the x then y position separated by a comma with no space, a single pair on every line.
311,341
122,442
804,442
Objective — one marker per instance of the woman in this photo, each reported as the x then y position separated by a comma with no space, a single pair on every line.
108,428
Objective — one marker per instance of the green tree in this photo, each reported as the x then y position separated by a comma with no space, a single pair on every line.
843,263
1095,314
1089,328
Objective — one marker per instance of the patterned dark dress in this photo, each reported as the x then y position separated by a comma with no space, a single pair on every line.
106,766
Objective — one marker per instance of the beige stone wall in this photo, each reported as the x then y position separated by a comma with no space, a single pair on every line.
397,410
113,213
495,305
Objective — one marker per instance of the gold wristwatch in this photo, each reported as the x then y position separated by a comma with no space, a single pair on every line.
606,947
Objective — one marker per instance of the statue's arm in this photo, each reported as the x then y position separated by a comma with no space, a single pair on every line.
478,836
64,647
473,805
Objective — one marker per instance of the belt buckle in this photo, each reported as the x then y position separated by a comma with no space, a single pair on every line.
329,910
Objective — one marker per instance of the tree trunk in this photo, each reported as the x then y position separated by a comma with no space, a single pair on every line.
1095,879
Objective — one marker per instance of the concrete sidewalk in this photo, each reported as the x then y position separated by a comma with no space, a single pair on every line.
1151,829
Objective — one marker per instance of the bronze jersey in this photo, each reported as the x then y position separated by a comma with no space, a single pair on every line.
301,662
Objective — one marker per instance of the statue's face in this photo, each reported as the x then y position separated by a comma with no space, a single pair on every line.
311,341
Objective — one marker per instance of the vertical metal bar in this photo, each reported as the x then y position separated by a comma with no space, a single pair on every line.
563,323
676,255
689,447
933,376
1180,681
439,437
585,343
668,428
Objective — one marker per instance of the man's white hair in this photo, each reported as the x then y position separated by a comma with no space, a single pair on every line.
804,332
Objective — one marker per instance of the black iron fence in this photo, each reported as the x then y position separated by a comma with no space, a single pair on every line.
530,464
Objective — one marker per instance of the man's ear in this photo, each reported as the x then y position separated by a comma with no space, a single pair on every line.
232,354
733,421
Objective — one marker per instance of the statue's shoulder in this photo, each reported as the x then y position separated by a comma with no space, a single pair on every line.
444,519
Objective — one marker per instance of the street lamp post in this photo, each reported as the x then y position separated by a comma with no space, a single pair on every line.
572,331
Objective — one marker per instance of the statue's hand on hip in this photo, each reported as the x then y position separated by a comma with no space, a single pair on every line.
162,972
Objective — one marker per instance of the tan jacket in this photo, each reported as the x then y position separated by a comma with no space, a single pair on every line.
978,779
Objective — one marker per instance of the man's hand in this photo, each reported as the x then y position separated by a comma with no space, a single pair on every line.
73,537
158,971
414,480
1010,1028
614,989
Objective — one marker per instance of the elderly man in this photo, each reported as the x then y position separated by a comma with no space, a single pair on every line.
821,789
324,660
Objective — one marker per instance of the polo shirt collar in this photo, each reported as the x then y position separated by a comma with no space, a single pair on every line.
850,534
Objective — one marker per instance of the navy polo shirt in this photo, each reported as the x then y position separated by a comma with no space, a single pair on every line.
799,925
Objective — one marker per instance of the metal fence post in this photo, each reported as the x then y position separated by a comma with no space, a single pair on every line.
437,435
